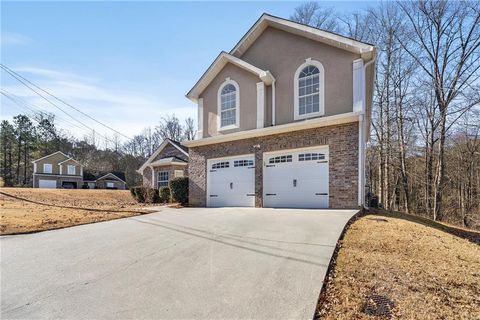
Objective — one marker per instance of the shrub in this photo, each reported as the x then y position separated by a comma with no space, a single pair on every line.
165,194
151,195
138,194
179,188
132,192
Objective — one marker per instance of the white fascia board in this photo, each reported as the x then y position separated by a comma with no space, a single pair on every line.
323,36
217,65
289,127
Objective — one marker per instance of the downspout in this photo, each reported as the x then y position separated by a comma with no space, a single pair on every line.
361,141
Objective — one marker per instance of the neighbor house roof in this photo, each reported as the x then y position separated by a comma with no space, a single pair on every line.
165,142
51,155
66,160
222,59
94,175
327,37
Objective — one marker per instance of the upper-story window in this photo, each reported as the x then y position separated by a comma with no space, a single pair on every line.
71,169
47,168
228,105
309,90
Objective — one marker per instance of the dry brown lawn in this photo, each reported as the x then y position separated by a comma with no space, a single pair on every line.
25,210
404,268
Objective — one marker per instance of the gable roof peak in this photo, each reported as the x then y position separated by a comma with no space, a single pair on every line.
327,37
162,146
217,65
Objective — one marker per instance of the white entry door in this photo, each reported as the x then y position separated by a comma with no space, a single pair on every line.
296,178
231,182
47,184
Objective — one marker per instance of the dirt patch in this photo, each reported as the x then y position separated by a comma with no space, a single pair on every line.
25,210
393,267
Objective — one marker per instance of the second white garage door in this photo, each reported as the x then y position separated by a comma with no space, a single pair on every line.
231,182
47,184
296,178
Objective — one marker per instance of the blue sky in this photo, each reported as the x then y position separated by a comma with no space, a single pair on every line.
124,63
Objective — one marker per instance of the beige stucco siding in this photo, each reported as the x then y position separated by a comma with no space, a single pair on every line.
53,159
247,83
282,53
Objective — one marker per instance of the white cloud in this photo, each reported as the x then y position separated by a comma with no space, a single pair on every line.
12,38
125,111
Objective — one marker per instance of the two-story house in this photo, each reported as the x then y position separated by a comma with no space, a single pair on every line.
57,170
283,119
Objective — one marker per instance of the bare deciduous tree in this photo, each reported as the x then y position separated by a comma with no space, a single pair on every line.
313,14
189,130
170,128
444,39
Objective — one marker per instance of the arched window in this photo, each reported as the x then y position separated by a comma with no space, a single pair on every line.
228,105
309,90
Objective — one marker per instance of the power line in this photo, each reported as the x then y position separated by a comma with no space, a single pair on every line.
40,111
19,78
35,109
15,74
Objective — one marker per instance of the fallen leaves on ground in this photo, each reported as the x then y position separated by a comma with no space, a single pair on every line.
413,270
28,210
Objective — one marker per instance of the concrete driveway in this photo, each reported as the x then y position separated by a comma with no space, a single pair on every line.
177,263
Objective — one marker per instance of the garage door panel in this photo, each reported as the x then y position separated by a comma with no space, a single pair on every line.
47,184
301,181
232,185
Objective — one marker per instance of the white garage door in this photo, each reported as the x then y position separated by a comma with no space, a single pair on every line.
231,182
296,178
47,184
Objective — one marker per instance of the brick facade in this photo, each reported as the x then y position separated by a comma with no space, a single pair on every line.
343,165
167,152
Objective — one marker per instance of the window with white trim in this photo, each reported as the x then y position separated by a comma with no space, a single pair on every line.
110,185
228,105
220,165
280,159
71,169
311,156
309,90
47,168
243,163
162,179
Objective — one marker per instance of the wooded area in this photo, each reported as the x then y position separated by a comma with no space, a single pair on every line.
424,153
30,137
